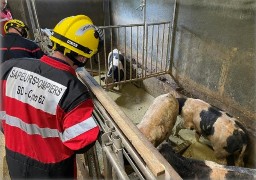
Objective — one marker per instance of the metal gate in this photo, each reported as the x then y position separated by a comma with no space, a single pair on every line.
146,49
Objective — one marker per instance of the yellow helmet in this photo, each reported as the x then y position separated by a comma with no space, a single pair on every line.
77,34
15,23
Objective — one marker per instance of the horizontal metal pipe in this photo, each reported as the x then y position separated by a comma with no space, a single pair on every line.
129,25
134,80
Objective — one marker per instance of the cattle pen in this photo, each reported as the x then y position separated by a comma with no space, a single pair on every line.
188,48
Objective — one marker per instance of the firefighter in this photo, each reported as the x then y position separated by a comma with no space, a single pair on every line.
6,15
46,110
15,43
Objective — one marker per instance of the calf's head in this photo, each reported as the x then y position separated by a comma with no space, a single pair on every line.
115,66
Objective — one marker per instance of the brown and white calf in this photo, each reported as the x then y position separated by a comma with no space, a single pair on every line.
158,121
227,136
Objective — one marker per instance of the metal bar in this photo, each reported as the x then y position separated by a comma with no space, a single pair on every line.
133,165
31,16
161,61
118,147
91,158
146,50
133,80
157,49
125,68
107,166
118,150
168,49
36,19
99,69
144,38
128,25
131,55
114,162
172,38
137,55
34,22
152,49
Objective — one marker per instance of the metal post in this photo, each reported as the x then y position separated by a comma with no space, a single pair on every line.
106,163
34,20
117,149
93,164
172,37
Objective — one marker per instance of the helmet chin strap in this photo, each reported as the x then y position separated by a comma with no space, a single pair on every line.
76,62
20,32
71,55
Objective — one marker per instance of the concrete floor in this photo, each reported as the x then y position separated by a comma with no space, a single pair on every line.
4,174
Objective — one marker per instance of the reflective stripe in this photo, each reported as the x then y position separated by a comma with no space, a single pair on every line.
79,129
68,134
2,115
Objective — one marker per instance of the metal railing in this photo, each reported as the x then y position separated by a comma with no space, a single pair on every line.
143,57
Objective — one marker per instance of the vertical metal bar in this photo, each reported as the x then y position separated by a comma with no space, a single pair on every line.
144,36
168,49
91,70
131,55
114,162
162,49
100,59
106,8
137,56
152,49
93,164
99,69
118,47
117,149
106,162
172,36
146,50
107,167
34,20
125,68
118,145
157,49
105,54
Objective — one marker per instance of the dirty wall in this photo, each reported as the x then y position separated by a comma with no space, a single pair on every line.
213,51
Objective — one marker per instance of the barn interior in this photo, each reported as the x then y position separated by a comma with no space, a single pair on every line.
192,48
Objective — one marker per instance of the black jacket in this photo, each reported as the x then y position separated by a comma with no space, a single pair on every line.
15,46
